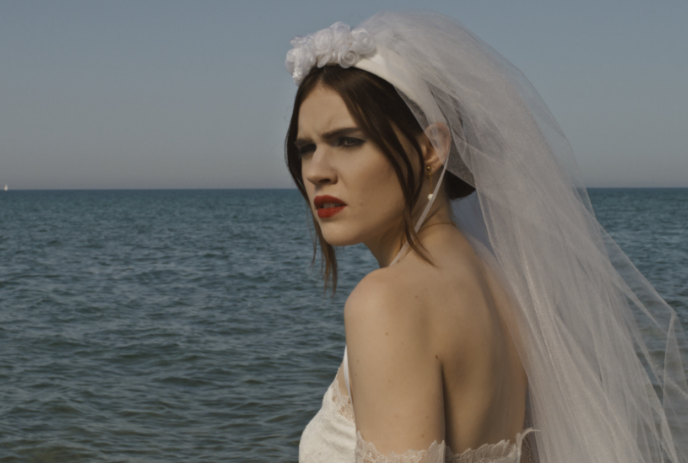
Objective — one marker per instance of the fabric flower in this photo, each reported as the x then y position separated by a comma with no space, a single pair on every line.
337,44
347,57
300,61
341,33
322,46
362,42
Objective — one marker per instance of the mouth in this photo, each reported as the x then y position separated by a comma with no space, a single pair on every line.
327,206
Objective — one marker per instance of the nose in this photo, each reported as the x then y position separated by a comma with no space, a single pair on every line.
317,169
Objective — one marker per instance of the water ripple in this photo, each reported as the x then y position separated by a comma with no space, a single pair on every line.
163,326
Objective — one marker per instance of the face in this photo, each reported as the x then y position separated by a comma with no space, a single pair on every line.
352,189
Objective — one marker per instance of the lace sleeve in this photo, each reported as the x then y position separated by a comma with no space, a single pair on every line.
366,452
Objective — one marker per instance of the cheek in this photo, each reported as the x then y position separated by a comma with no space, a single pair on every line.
310,188
380,191
389,183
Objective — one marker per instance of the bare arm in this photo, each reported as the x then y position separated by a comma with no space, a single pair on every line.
396,375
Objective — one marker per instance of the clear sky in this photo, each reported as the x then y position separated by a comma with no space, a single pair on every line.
194,94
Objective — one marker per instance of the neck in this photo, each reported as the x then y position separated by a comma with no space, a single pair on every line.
387,245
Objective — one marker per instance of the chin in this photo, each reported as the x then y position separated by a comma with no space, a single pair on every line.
337,235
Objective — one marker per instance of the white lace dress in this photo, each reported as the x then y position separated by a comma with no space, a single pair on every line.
331,437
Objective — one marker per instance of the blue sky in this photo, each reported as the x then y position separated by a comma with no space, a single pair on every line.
181,94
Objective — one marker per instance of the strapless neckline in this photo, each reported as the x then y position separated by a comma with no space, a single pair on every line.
331,436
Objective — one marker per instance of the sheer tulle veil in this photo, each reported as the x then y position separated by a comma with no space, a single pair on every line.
604,354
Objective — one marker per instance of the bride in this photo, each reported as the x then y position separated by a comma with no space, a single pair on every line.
503,324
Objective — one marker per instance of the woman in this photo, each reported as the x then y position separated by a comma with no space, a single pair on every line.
499,302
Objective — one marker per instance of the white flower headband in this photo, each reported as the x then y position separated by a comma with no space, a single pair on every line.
337,44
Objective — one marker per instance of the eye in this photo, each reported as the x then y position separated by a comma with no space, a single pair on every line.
350,142
305,150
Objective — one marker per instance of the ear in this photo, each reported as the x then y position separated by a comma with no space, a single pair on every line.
435,143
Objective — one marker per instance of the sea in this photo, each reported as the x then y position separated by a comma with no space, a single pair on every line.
191,325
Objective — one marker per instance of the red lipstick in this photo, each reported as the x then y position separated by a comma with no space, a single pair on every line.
327,206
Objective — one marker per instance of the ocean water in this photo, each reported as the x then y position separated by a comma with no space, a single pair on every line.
177,326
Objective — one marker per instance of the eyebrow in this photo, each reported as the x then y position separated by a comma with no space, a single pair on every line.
332,134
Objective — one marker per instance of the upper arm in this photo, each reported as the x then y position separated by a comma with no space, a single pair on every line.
396,376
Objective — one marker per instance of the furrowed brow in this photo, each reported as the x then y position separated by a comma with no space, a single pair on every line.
299,142
343,132
331,135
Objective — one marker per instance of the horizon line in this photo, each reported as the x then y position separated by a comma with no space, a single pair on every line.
295,189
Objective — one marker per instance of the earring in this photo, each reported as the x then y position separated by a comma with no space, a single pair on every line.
428,174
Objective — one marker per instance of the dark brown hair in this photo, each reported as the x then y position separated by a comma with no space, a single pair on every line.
377,108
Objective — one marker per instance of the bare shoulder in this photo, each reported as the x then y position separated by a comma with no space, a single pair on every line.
385,296
396,379
415,303
415,331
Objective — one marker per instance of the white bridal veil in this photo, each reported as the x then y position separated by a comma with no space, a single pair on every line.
604,354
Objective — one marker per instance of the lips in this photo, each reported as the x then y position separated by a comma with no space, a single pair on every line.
327,206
